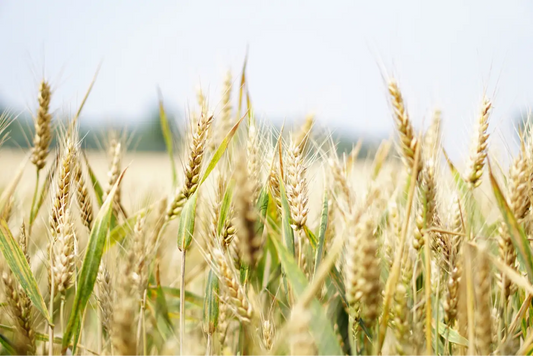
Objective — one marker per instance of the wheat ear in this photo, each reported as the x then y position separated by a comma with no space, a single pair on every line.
192,168
368,280
7,212
455,268
43,127
19,304
296,184
225,122
267,332
124,312
61,200
408,140
304,134
400,320
432,137
250,243
427,213
519,203
141,252
340,181
479,146
105,296
253,160
237,296
83,198
63,255
115,151
519,173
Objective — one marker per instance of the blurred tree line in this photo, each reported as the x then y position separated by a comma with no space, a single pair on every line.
145,135
142,136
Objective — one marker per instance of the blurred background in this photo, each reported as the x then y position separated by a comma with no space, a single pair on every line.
330,58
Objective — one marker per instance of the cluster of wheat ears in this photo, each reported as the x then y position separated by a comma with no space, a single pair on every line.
269,243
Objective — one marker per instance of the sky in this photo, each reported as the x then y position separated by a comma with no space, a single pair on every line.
332,58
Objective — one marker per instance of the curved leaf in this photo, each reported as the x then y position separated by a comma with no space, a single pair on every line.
99,192
287,232
119,232
186,223
262,207
516,232
226,206
320,327
7,347
322,232
450,334
44,189
89,269
175,293
167,135
220,150
211,302
21,269
10,189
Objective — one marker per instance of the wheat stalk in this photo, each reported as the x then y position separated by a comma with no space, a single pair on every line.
483,324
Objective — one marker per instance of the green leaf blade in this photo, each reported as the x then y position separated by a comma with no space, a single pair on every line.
516,232
220,150
99,192
320,326
186,223
322,232
21,269
89,269
225,207
211,303
287,231
167,135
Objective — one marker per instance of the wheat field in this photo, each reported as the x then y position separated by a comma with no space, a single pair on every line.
249,239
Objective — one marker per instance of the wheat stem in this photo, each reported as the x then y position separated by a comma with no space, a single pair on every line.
182,301
427,287
51,313
395,273
33,200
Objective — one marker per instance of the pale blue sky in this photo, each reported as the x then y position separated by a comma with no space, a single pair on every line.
326,56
